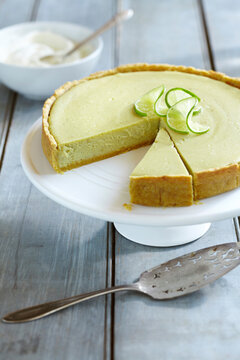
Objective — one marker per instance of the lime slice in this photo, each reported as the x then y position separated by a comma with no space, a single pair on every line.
176,94
177,114
160,106
145,104
194,126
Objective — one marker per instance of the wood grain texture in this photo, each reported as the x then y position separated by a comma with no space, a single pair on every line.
7,104
16,11
161,32
198,326
223,19
47,251
7,97
223,27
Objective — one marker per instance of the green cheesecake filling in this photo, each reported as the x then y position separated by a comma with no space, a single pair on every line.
160,178
96,118
161,159
218,147
98,106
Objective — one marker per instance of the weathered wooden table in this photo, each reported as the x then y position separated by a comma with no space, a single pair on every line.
48,252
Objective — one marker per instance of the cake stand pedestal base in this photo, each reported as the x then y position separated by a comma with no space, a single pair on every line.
160,235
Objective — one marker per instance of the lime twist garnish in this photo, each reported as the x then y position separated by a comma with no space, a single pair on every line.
178,114
160,106
195,126
176,94
145,104
178,107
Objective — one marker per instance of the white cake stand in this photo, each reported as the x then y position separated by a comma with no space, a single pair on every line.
101,190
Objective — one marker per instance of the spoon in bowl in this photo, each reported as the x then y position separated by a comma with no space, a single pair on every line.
174,278
121,16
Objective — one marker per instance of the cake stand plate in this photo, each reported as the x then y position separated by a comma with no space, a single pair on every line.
101,190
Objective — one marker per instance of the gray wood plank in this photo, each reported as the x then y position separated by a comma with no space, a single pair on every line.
47,251
109,304
161,32
223,19
16,11
197,326
224,39
7,100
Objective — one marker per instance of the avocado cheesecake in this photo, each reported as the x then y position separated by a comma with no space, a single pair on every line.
94,118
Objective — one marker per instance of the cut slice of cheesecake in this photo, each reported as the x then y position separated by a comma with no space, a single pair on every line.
161,178
94,118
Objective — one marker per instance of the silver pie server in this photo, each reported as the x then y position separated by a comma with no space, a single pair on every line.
174,278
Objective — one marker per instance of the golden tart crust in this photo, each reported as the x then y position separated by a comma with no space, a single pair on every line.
161,191
205,184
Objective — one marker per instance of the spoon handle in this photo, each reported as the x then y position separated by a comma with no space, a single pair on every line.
42,310
123,15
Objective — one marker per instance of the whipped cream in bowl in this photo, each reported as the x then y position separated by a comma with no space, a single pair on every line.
30,49
24,46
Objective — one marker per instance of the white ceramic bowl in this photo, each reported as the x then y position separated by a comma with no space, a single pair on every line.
39,83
